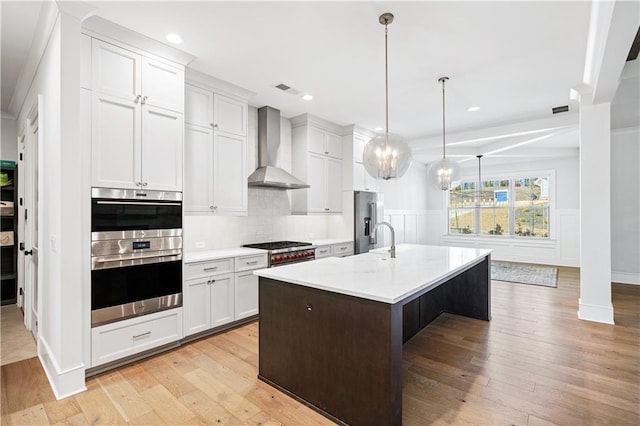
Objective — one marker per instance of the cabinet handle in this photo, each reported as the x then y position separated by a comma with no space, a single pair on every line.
326,209
213,268
212,281
252,263
326,152
144,100
215,126
137,99
138,183
145,183
309,307
138,336
343,248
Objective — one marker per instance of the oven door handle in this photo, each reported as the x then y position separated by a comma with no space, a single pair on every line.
137,203
120,261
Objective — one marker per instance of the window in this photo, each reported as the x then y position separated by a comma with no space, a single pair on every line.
514,206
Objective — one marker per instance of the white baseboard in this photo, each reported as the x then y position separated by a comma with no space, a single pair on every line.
625,277
603,314
63,383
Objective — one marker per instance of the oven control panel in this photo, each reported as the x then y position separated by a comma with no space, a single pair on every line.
292,257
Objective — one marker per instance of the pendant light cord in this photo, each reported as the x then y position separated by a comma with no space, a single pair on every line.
386,78
444,155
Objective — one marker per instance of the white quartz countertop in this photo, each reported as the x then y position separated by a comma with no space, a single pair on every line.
330,241
202,256
375,276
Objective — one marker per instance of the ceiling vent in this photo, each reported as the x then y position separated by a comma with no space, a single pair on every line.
559,109
287,89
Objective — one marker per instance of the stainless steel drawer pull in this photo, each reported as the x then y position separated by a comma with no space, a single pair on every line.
252,263
134,203
148,333
213,268
343,248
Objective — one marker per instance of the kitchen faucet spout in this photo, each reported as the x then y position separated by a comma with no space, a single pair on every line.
393,236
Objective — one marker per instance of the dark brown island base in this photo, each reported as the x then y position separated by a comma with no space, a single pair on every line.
332,330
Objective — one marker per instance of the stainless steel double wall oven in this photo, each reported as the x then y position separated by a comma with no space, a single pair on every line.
136,253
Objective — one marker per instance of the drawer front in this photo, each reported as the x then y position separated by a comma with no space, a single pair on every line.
121,339
208,268
247,263
323,251
345,249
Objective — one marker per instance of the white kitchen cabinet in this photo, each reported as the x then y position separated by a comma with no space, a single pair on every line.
208,302
216,172
317,153
363,181
137,122
135,146
129,75
343,249
246,297
215,152
117,340
323,142
246,285
323,251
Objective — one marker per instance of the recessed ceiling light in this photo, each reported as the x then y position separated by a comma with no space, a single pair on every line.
173,38
473,108
307,97
378,129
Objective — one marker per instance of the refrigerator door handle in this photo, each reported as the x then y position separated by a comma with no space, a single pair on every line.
373,210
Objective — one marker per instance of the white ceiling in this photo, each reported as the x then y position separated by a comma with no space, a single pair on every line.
515,60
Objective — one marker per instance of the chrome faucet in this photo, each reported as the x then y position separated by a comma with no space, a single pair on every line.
393,237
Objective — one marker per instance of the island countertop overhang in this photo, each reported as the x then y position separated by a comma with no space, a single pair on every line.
375,276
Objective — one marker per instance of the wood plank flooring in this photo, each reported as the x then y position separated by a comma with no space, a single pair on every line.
17,343
535,363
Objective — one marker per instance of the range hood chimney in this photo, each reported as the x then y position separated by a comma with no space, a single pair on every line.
267,174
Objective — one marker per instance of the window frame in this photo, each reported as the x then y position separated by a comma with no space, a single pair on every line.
512,178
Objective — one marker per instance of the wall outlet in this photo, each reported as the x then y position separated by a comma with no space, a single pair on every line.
200,244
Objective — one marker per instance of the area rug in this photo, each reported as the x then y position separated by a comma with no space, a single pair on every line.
525,274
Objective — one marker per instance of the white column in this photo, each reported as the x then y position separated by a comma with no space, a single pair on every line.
595,213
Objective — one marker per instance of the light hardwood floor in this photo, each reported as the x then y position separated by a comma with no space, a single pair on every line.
535,363
16,342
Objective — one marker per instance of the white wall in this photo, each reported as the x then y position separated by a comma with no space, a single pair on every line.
61,290
563,246
269,217
625,206
9,147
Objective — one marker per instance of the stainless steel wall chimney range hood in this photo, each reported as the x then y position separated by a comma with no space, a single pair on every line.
267,174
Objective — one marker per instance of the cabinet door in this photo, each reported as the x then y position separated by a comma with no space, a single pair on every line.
370,183
198,171
196,308
359,142
316,141
317,192
229,115
162,85
198,106
161,149
358,177
115,71
115,142
333,145
246,301
229,173
222,297
334,185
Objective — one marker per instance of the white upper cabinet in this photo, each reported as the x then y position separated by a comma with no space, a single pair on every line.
198,106
215,153
230,115
162,85
317,153
115,149
198,173
116,71
161,167
136,119
324,142
357,178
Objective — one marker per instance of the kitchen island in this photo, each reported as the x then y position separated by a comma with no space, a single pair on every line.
331,330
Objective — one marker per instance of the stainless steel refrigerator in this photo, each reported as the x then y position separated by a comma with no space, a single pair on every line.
368,210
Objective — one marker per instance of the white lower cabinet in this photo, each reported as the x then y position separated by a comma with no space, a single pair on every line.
120,339
323,251
246,300
220,291
335,250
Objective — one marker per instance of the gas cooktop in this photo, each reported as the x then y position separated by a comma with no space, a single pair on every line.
276,245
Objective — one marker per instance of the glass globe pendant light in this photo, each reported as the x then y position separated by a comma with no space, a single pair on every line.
444,173
386,156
